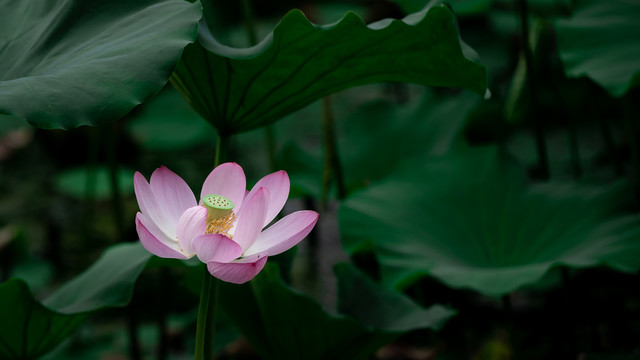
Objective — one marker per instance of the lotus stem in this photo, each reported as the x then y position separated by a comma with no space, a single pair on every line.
332,166
538,124
203,309
205,328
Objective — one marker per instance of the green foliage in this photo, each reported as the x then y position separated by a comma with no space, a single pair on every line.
282,324
474,221
108,282
461,7
600,40
382,308
426,209
71,63
242,89
436,121
30,329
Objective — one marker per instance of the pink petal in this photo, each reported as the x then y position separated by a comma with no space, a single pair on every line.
153,244
284,234
151,208
236,273
251,218
278,185
173,194
216,248
191,224
227,180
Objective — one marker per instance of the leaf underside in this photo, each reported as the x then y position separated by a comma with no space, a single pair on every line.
66,63
299,62
586,47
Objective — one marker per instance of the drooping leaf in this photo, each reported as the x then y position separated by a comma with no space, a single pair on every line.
108,282
30,329
383,308
474,221
282,324
66,63
600,40
300,62
73,182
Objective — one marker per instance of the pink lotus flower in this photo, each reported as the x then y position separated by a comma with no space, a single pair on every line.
226,230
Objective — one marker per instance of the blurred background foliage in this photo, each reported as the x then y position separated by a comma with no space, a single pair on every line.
453,225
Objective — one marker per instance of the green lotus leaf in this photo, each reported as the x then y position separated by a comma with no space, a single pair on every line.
283,324
66,63
299,62
382,308
30,328
600,41
474,221
108,282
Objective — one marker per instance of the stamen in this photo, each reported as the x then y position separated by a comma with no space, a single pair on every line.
221,225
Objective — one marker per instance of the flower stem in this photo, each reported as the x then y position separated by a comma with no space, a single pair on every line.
209,350
222,149
252,37
249,22
538,125
205,328
332,166
203,309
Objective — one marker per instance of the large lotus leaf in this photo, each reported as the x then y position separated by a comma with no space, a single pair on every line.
30,329
282,324
66,63
600,40
474,221
383,308
299,62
